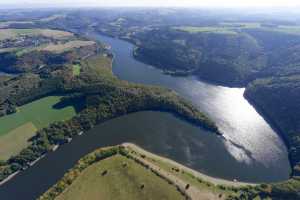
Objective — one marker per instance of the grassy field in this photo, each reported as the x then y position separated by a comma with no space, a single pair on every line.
17,128
100,66
206,29
16,140
139,175
13,33
120,182
55,48
39,112
60,48
76,70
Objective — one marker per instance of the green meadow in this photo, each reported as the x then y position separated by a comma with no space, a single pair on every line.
40,113
17,128
120,182
76,70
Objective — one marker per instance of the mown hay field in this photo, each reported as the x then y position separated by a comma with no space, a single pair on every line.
16,140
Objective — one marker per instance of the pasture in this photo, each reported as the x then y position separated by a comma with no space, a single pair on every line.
14,33
17,128
124,179
16,140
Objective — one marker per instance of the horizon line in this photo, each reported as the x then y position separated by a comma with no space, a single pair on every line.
45,6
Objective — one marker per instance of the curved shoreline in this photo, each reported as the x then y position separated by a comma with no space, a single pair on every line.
213,180
273,124
139,57
132,52
211,189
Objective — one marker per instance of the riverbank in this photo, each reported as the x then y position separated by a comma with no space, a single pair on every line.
17,172
288,135
131,156
213,180
95,86
9,178
235,117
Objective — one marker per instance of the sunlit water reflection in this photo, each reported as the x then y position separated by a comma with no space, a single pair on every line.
250,139
247,132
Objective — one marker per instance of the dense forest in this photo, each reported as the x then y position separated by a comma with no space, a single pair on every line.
226,58
279,99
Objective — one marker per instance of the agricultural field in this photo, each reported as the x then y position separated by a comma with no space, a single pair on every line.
116,178
22,41
14,33
17,128
62,47
16,140
206,29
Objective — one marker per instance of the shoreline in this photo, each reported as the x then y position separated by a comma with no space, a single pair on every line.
9,177
274,125
213,180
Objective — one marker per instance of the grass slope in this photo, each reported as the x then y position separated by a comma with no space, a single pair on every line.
119,183
17,128
40,112
16,140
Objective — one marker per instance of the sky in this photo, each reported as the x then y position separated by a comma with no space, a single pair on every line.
156,3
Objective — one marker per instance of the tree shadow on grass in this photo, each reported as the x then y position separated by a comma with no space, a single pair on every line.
77,103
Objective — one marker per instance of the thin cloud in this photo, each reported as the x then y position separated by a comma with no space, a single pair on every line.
159,3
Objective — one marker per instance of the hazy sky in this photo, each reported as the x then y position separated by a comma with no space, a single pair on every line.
159,3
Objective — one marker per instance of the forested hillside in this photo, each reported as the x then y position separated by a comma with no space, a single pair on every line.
97,96
222,57
279,99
